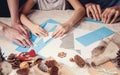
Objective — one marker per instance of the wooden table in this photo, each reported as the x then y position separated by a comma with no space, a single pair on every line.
61,16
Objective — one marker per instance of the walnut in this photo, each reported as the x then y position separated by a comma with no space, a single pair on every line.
62,54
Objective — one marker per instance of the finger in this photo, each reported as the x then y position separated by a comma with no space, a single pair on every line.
96,12
23,30
22,40
115,17
93,12
36,34
56,31
104,15
110,15
88,13
19,42
99,11
25,43
58,34
28,34
62,33
43,32
28,42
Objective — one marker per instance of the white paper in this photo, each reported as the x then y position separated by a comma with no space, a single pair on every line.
45,39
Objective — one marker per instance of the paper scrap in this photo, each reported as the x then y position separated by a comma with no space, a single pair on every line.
68,41
94,36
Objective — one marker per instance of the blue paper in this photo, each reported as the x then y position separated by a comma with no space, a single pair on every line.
94,36
40,44
92,20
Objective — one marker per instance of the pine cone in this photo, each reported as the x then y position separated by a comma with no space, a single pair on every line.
1,56
118,59
51,63
14,61
54,70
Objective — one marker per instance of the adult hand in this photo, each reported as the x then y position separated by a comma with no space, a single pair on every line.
110,14
93,11
21,29
61,30
37,30
17,36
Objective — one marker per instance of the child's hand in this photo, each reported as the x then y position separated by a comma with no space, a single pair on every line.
37,30
93,11
111,14
61,30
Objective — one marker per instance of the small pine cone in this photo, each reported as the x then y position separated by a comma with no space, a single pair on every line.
1,56
54,70
14,61
118,59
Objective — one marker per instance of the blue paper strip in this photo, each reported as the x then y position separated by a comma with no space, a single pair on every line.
92,20
94,36
41,44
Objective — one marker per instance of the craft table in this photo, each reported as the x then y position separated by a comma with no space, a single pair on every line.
61,16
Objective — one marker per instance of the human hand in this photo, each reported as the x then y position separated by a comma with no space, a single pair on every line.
21,29
93,11
61,30
37,30
110,14
16,36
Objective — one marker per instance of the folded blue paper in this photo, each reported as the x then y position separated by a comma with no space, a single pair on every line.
94,36
92,20
41,44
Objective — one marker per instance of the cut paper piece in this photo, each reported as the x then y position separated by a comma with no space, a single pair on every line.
94,36
92,20
68,41
49,25
45,39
